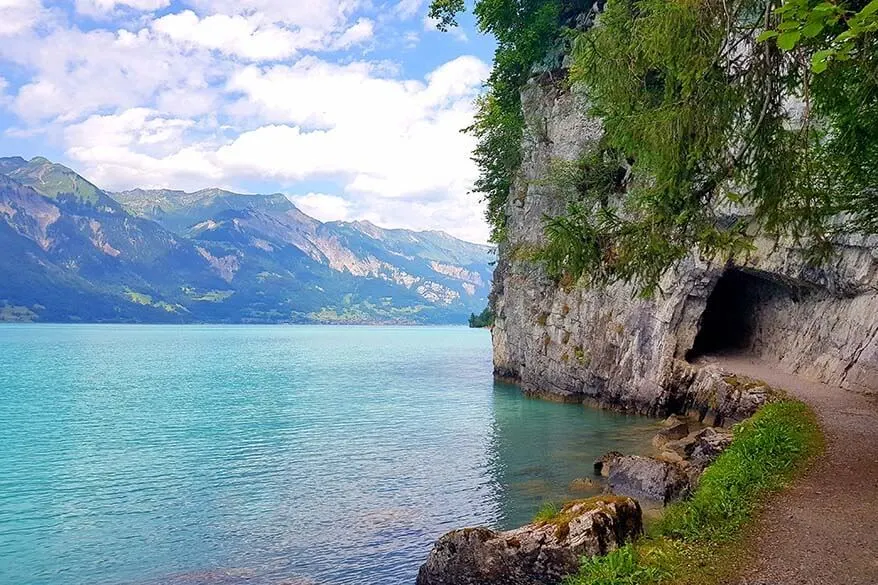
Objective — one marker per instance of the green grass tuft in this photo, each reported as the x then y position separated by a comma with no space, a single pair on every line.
547,512
623,566
767,449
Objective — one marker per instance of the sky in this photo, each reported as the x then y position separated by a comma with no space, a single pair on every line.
353,108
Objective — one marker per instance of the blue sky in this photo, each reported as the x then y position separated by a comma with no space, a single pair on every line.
351,107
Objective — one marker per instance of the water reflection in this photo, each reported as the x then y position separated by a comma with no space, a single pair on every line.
268,455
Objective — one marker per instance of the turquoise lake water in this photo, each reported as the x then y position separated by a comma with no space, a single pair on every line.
150,455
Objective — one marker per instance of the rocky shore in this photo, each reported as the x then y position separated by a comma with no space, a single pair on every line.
546,550
538,553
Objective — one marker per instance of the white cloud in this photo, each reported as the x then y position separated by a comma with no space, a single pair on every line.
187,101
140,147
77,73
322,206
411,39
316,93
408,8
17,16
4,97
396,150
396,138
246,37
102,7
219,96
319,15
362,31
136,126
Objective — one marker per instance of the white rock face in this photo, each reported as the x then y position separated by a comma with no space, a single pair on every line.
611,347
457,272
437,293
224,266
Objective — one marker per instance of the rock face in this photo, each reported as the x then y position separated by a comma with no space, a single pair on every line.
694,452
649,479
706,446
602,464
672,433
536,554
609,347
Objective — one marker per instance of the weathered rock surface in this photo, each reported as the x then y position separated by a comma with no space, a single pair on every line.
536,554
610,347
602,464
672,433
694,452
707,445
649,479
681,447
673,421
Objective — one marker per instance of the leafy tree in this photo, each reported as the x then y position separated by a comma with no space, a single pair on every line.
839,27
527,31
483,319
699,106
711,109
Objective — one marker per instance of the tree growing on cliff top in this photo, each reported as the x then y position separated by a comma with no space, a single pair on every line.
696,100
530,34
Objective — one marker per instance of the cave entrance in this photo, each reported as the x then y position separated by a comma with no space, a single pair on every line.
740,304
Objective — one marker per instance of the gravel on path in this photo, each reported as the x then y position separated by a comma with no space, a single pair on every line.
823,530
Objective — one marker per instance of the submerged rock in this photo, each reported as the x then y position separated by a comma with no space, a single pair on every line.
541,553
647,478
583,484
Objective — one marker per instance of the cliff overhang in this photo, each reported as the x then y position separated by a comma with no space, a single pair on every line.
610,347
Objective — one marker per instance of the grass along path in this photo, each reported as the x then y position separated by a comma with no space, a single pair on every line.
822,530
700,541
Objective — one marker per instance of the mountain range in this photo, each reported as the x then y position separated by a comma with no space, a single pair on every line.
74,252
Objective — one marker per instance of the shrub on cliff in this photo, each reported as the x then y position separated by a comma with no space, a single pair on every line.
768,105
529,34
707,115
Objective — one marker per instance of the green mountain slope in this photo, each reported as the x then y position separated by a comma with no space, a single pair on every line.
75,253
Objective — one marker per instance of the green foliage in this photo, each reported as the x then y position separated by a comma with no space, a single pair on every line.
445,12
623,566
840,43
547,512
483,319
699,111
527,32
766,451
841,31
695,97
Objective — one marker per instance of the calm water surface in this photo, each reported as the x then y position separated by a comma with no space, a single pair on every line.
149,455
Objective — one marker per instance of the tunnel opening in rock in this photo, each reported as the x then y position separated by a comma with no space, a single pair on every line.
741,305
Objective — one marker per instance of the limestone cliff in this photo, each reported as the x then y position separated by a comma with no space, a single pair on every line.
610,347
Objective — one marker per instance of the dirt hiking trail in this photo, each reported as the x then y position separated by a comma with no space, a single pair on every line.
823,530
